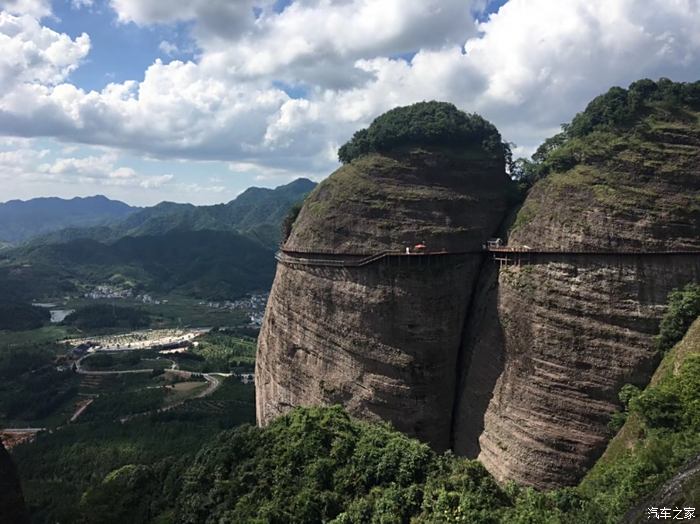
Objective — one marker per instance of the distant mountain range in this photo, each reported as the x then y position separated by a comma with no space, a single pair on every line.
256,213
220,251
21,220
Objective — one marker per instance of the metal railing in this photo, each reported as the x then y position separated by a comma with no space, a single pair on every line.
320,258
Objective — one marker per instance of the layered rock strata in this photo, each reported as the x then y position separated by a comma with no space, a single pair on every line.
563,333
518,364
382,339
571,331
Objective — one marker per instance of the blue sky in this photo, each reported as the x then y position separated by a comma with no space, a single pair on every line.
119,51
196,101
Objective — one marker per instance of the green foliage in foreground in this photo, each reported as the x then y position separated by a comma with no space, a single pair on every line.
319,465
108,316
683,308
77,462
661,433
424,123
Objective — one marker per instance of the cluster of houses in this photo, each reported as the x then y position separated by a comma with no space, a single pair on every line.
254,304
108,291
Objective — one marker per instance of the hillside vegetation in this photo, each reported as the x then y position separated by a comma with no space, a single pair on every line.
661,434
623,173
20,317
209,264
216,252
257,214
424,123
593,134
320,465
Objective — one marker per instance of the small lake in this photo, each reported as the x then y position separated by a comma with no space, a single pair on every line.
59,315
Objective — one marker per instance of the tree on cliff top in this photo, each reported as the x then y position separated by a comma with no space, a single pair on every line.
423,123
617,111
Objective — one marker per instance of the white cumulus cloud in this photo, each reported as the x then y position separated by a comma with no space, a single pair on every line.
35,8
35,54
278,92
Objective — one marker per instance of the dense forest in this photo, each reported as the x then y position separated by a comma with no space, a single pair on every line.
31,387
423,123
21,317
108,316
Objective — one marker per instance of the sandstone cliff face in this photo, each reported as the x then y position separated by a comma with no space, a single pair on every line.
452,200
643,194
12,507
521,365
573,331
562,333
382,340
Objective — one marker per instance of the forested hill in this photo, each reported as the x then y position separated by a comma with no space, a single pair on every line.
256,213
207,264
21,220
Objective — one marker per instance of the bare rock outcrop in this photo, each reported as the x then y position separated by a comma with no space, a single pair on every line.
382,339
564,332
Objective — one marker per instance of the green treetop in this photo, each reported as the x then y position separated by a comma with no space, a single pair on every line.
423,123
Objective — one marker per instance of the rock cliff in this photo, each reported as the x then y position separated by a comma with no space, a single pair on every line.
518,364
382,339
562,333
12,507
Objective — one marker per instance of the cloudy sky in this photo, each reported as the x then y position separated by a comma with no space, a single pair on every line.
195,100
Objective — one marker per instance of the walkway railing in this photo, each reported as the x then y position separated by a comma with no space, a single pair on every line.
503,254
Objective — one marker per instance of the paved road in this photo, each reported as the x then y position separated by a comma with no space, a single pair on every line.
81,409
214,384
22,430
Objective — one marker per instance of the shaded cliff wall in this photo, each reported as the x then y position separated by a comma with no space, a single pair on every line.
562,334
12,508
381,340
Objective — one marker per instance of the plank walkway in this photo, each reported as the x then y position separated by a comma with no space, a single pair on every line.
504,255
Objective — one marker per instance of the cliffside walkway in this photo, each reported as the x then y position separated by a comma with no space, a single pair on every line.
504,255
354,259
